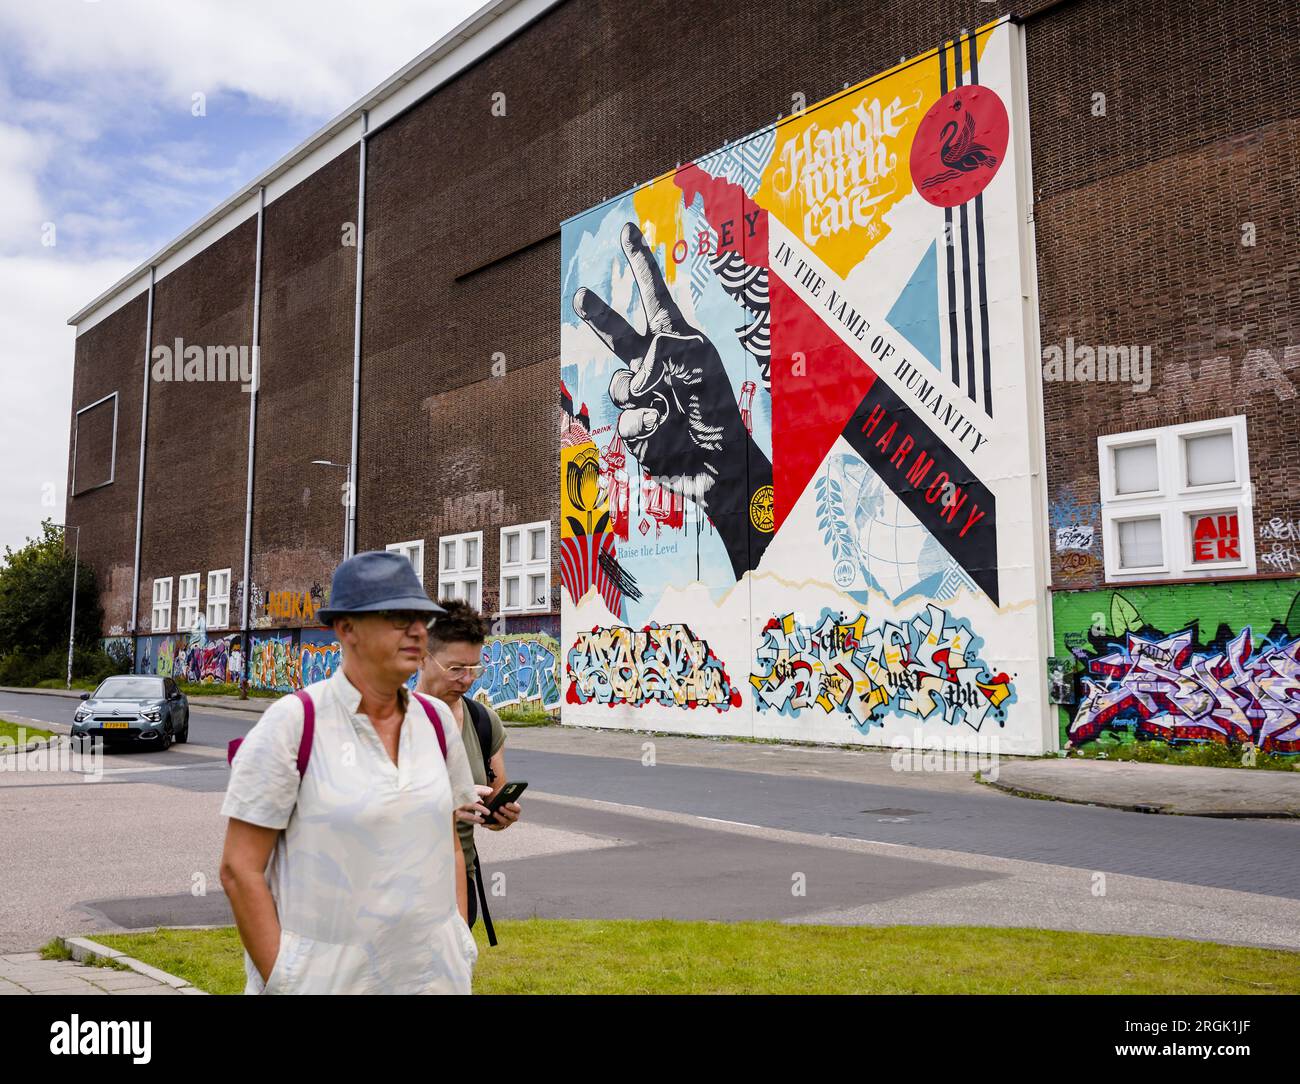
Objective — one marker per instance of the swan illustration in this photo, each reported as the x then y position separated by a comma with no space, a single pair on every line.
963,156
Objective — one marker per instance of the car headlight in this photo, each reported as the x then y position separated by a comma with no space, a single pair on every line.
152,714
81,714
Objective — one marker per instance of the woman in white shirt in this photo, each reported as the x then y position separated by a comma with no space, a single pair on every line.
364,891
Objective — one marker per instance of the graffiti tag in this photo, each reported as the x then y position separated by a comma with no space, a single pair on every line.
926,668
659,664
1167,688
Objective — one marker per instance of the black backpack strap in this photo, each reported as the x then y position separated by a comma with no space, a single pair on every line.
482,902
483,728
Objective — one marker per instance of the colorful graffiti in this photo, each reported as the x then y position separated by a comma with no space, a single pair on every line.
519,669
659,664
318,661
926,668
193,658
275,663
1237,685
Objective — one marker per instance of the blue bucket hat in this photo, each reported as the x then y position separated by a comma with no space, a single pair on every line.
376,581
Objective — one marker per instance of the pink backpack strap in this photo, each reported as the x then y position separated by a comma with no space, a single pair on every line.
308,734
308,730
437,723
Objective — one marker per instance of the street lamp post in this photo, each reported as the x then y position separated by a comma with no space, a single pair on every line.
72,624
347,468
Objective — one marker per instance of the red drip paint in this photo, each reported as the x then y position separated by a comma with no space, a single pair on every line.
740,223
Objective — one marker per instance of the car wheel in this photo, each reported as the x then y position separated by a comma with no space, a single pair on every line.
184,735
166,741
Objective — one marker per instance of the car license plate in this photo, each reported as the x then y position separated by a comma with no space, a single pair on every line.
116,726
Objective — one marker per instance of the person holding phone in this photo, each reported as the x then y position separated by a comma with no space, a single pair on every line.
453,662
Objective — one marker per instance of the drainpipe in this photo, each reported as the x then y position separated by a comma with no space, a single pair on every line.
139,492
350,546
252,435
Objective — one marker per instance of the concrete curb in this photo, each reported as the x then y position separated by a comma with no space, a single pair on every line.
1146,807
57,731
84,949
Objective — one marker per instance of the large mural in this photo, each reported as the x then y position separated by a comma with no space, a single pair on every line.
1214,662
795,390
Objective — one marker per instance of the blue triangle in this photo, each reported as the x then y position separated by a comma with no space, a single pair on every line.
916,312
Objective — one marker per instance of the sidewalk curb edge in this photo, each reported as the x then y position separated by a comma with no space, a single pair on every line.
83,949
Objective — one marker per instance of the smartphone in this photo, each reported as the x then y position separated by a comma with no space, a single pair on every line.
509,793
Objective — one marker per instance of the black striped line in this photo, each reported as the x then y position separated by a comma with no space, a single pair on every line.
979,245
965,256
947,242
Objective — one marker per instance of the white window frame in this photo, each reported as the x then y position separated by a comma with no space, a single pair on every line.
165,606
452,581
1175,501
218,599
525,567
413,551
185,605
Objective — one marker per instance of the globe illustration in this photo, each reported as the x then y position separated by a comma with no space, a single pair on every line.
897,554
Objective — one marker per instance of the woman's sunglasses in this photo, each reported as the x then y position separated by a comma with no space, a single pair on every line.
404,619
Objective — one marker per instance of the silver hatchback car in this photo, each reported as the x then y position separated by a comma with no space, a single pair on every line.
135,709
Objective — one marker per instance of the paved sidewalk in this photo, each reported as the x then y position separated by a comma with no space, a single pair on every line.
27,973
1157,788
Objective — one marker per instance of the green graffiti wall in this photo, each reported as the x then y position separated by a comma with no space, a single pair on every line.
1187,663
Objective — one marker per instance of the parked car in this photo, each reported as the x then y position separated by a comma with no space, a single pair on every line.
134,709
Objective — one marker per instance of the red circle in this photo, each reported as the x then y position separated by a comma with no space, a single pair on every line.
960,144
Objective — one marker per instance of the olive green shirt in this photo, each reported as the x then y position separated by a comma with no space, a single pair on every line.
469,736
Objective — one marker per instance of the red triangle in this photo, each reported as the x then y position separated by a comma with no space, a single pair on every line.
817,384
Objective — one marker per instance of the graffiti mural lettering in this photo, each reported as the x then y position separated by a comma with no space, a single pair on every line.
519,669
1246,690
927,668
319,661
657,665
274,663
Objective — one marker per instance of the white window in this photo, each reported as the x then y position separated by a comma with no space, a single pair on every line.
460,567
219,599
526,567
187,602
413,552
161,620
1176,501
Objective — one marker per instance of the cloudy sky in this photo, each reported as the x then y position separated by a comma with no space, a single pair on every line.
98,140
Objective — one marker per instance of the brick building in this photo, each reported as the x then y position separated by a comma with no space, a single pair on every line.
1164,182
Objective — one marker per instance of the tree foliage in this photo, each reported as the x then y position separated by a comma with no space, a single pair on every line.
36,596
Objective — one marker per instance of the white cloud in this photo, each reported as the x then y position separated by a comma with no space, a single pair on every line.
311,56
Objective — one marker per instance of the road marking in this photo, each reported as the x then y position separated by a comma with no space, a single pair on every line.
719,820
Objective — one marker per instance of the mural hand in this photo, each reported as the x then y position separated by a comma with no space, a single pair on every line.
678,410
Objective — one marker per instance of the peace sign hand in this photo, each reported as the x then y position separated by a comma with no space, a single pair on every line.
678,414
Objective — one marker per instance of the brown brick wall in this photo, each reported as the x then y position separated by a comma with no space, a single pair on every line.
1139,219
196,458
109,357
304,408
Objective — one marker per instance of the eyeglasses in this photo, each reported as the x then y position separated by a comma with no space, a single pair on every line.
461,671
403,619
